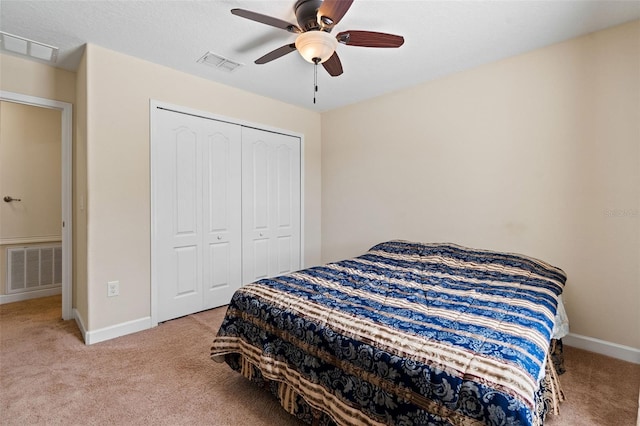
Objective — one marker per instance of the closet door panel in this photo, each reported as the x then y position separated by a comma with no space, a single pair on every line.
270,204
221,265
178,216
218,183
284,186
186,267
255,205
285,256
259,185
187,168
287,204
221,200
197,221
258,260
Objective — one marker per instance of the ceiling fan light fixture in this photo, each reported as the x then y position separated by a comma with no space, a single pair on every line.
316,44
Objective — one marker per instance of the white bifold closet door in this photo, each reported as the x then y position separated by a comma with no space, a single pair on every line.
270,204
197,200
226,208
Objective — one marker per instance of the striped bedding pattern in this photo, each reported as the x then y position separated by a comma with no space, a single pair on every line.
408,333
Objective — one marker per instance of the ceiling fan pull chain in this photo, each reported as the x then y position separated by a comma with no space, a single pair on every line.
315,78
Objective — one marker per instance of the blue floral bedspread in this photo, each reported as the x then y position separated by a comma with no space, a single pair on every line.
406,334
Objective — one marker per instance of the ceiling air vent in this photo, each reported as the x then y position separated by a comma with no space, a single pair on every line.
23,46
219,62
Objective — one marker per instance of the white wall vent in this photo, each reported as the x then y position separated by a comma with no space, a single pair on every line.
23,46
34,268
219,62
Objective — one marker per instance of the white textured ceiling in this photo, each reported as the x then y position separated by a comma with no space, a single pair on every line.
441,38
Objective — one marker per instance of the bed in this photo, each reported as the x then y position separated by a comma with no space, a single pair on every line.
405,334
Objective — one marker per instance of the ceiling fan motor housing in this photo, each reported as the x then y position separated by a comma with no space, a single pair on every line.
307,14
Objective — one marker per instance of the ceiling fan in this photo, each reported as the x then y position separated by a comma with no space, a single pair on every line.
316,19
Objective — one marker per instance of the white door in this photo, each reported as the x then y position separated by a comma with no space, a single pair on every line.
197,234
270,204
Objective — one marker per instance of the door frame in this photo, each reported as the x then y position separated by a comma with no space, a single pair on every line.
154,105
66,160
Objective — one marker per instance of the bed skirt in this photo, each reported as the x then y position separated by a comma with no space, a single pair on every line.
549,395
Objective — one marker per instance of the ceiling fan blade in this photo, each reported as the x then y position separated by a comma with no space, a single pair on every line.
334,10
268,20
275,54
369,39
333,65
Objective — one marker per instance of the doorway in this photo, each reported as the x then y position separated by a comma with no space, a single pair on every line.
66,188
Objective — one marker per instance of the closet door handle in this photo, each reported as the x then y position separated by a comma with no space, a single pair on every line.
9,198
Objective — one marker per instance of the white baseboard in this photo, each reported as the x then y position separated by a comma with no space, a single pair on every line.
614,350
35,294
111,332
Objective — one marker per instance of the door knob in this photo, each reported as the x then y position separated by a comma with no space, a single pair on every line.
9,198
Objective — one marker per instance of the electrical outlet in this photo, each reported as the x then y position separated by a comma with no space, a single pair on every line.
113,288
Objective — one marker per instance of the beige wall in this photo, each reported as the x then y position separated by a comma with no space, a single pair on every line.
119,88
80,296
35,79
537,154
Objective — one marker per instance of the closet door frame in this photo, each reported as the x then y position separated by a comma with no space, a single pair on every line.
154,106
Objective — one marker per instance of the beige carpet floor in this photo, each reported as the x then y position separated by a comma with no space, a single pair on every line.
164,376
